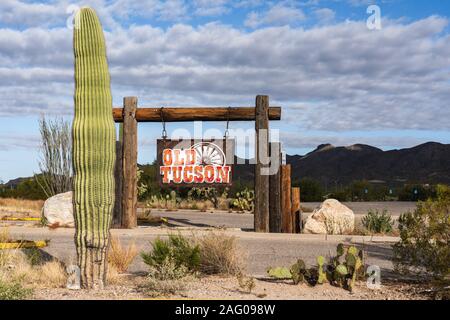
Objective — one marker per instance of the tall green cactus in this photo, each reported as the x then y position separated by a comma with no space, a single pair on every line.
93,134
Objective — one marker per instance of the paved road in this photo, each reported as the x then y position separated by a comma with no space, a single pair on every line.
187,218
262,250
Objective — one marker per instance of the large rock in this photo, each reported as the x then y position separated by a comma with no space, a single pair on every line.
332,217
58,210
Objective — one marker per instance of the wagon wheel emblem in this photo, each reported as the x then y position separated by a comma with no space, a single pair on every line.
207,153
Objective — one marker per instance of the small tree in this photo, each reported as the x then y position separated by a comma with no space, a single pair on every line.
55,162
425,237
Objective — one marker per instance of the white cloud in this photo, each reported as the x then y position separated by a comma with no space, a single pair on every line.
28,14
335,77
277,15
324,15
211,7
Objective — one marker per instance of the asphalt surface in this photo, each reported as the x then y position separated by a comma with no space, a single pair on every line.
187,218
261,250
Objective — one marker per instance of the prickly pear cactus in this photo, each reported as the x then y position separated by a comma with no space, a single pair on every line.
298,271
93,134
279,273
322,276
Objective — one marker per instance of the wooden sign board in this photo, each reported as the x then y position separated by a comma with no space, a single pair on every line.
193,162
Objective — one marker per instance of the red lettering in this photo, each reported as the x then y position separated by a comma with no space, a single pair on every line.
165,172
179,161
223,174
187,176
190,156
209,174
198,174
167,157
177,176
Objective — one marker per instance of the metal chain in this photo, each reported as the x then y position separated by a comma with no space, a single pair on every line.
225,136
164,132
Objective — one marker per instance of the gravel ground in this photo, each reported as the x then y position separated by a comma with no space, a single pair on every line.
215,287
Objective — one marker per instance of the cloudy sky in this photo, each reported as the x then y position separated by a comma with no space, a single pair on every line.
338,79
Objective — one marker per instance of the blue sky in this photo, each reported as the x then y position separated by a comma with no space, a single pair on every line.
338,81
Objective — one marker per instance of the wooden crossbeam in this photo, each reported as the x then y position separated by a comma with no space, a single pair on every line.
196,114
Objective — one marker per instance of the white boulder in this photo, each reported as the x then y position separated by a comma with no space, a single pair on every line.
332,217
58,210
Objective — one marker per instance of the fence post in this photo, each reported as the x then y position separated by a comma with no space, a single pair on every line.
295,210
129,163
261,211
274,192
286,220
118,177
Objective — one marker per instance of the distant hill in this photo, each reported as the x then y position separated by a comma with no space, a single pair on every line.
330,165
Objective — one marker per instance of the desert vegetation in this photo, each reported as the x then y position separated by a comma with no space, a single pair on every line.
176,262
24,270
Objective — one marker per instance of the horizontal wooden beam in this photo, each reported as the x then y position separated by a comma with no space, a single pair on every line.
196,114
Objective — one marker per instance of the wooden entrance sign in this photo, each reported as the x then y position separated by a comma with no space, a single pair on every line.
130,115
189,162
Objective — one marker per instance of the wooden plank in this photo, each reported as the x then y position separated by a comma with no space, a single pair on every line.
274,193
129,200
197,114
286,220
261,214
295,209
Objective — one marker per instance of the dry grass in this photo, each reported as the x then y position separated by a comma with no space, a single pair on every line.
4,235
52,274
112,276
31,208
220,254
120,256
16,266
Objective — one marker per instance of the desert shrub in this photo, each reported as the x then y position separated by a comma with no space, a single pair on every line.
13,291
377,222
167,278
56,157
121,256
244,201
425,233
177,249
219,254
213,195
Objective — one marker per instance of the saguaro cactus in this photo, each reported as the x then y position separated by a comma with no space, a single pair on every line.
93,134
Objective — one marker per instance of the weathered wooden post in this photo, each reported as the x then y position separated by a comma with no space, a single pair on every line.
261,211
295,209
129,158
118,177
275,191
286,204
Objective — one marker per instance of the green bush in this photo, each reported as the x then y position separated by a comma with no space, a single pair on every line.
377,222
13,291
177,250
424,246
